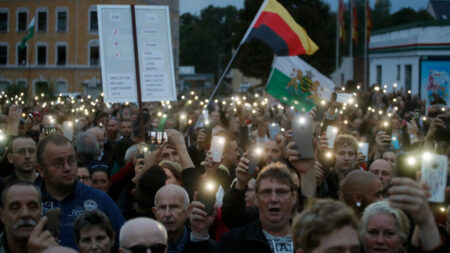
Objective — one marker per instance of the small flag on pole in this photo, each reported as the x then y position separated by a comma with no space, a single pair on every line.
355,23
298,84
341,21
368,21
28,35
275,26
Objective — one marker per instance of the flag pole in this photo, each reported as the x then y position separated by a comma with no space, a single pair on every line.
350,41
338,24
223,75
365,44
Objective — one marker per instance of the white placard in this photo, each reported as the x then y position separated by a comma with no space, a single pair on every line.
154,44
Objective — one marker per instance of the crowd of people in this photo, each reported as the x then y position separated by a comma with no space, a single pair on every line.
81,174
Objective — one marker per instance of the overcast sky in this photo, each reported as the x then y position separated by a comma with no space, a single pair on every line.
194,6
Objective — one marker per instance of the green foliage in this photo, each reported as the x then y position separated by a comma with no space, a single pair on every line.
205,40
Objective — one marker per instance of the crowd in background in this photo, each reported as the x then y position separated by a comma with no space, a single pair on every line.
131,180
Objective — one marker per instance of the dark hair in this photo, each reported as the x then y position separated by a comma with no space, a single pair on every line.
99,168
90,218
58,140
18,183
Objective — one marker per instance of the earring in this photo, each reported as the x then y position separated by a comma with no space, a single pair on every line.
358,204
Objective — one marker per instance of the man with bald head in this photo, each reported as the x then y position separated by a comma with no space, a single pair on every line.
360,189
382,169
172,209
140,234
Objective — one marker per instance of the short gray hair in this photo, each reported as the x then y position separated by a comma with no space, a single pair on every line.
401,219
176,188
86,143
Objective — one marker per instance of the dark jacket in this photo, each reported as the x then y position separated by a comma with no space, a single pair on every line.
245,239
234,211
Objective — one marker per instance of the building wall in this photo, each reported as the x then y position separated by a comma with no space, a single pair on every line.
389,72
78,73
402,47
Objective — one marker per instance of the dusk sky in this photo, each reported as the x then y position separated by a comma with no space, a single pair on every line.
194,6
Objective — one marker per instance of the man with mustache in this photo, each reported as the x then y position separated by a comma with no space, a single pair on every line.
21,214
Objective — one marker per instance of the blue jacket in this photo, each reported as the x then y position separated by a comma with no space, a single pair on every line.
82,198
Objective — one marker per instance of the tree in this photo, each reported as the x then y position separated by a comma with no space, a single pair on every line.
408,15
381,14
314,16
205,40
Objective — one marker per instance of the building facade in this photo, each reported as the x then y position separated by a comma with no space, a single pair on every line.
397,55
63,55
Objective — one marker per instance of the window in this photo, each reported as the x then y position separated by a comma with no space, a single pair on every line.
42,21
379,74
41,55
41,87
3,20
3,85
93,21
3,54
398,72
408,76
21,55
61,55
61,20
61,87
93,55
22,17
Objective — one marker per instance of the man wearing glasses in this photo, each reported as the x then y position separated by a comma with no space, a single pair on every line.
142,234
275,198
58,169
22,155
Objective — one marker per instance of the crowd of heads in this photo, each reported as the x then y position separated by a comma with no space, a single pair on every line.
153,160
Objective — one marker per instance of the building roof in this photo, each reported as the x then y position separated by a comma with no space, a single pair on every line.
411,25
440,9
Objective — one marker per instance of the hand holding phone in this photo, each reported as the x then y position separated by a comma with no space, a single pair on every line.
254,156
331,134
53,221
434,173
217,146
303,136
206,194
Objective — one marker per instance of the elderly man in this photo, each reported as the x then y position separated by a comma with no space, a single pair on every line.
141,234
383,170
100,135
87,148
22,156
21,214
171,209
58,168
275,198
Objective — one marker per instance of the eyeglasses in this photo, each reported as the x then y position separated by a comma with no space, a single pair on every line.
58,164
23,151
155,248
83,178
280,193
